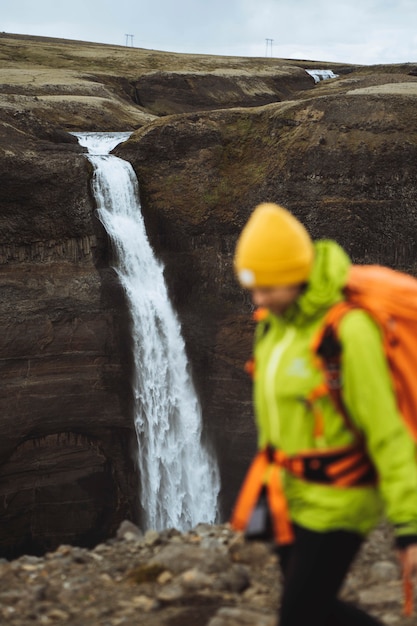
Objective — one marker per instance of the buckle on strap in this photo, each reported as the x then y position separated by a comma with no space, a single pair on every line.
294,464
344,467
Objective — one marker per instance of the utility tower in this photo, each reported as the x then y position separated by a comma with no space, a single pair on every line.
129,40
268,47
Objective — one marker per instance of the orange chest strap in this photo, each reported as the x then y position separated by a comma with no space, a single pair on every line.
348,466
343,467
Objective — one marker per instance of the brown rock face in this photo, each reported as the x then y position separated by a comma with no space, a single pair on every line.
341,155
66,422
67,438
165,93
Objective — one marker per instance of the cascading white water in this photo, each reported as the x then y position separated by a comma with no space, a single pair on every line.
320,75
179,478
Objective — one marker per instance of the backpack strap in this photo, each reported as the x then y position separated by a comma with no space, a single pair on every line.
264,475
344,467
348,466
341,467
327,348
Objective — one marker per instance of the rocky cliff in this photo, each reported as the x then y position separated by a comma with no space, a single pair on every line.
66,440
212,137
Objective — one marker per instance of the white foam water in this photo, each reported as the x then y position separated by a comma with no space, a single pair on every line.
179,477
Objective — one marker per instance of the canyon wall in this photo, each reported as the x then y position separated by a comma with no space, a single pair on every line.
212,137
67,451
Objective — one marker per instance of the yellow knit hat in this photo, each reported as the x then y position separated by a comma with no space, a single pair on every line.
273,249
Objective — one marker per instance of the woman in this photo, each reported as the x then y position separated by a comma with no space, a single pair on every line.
298,282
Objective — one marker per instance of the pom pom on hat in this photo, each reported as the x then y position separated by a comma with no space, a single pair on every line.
273,249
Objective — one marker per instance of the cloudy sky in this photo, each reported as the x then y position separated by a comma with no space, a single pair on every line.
347,31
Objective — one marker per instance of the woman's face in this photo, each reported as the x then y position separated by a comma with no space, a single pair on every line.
277,299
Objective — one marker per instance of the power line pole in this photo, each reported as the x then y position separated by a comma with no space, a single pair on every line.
129,38
268,46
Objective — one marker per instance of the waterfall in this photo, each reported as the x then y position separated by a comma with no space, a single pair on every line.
319,75
179,477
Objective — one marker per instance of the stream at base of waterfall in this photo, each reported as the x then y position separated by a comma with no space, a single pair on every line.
178,474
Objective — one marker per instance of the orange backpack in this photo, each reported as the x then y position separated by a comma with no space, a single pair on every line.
390,297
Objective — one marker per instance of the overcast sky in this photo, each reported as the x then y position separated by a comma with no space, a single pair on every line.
347,31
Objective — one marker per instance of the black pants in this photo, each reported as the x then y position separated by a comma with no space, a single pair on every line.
314,568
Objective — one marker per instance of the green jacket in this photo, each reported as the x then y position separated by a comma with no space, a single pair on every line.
285,373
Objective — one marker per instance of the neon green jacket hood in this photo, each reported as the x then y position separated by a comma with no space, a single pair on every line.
328,277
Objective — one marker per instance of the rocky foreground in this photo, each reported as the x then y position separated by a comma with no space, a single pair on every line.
208,576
